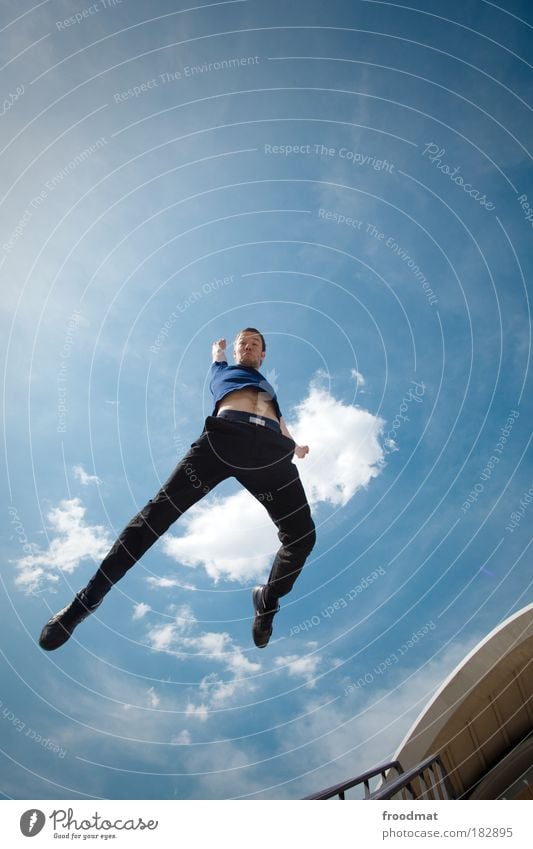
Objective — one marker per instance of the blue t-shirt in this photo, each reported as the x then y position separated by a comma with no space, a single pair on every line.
225,378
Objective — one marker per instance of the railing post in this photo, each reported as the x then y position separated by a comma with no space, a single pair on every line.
427,780
447,790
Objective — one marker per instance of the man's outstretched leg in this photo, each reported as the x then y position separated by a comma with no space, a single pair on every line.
59,628
297,534
279,489
198,473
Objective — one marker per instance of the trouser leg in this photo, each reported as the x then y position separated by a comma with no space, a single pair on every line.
194,476
280,491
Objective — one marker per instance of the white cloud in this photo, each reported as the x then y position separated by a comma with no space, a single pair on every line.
358,377
75,541
345,454
153,698
162,637
167,583
238,662
169,637
212,645
85,479
345,447
198,711
217,692
182,739
217,646
298,666
185,618
163,583
140,610
220,646
242,555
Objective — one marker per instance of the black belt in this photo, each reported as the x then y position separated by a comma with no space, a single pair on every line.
249,418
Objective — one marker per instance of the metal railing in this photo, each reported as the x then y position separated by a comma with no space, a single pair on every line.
426,780
340,789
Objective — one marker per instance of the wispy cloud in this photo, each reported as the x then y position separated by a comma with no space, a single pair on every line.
163,583
358,377
140,610
84,478
304,666
182,639
153,698
217,692
169,636
199,711
182,739
74,542
211,645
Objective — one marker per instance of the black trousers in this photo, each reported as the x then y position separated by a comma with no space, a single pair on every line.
261,460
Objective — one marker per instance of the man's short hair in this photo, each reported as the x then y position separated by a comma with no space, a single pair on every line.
252,330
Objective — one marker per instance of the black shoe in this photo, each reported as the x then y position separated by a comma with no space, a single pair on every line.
262,625
59,628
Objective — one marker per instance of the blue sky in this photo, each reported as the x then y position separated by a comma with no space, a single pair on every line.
353,178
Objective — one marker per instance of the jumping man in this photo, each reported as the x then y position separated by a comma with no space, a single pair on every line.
245,437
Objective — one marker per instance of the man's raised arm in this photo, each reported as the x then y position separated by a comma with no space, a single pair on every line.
219,351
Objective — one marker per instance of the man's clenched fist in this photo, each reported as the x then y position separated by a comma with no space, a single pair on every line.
219,351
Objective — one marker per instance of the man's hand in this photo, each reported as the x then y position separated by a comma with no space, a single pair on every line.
219,351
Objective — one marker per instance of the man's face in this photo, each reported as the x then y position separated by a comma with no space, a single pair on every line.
247,350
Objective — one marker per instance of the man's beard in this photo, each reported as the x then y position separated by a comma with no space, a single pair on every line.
246,358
